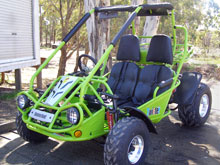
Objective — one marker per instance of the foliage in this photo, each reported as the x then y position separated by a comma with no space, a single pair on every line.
201,17
8,96
211,18
187,13
210,34
61,16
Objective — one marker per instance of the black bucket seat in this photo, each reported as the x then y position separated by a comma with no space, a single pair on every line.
151,76
124,75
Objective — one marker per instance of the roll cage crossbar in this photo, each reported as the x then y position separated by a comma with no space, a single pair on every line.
160,9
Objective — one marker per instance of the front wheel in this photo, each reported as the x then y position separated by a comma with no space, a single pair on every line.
127,142
26,134
196,114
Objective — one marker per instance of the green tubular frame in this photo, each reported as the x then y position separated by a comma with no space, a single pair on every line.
44,65
93,124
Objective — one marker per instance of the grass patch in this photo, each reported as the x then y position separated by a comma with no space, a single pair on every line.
9,95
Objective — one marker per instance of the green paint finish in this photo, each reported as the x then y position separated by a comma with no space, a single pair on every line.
92,11
143,55
88,132
174,32
160,101
92,121
133,28
92,73
45,64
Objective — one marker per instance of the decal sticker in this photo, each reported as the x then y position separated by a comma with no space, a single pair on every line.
153,111
66,79
59,90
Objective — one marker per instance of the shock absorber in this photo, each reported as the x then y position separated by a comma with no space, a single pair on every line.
110,119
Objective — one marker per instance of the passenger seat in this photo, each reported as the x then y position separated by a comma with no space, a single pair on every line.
160,50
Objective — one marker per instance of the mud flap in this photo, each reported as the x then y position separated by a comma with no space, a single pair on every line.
186,92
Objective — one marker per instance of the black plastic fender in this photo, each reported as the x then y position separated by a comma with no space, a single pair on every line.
186,91
139,114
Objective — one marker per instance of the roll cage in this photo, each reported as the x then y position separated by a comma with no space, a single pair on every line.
161,9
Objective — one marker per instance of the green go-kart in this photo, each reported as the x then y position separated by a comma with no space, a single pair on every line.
121,105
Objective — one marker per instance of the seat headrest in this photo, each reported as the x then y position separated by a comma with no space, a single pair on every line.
160,49
129,48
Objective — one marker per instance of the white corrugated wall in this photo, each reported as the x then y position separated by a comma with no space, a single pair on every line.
16,31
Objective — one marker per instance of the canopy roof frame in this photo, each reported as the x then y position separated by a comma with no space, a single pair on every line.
153,9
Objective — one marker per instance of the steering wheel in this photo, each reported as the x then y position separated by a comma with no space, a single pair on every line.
87,63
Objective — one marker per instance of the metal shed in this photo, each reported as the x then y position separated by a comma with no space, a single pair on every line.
19,34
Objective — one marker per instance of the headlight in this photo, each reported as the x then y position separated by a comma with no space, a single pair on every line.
23,101
73,115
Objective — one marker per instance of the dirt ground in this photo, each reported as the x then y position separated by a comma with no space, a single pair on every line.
175,144
7,111
49,73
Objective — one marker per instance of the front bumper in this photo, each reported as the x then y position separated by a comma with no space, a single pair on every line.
91,127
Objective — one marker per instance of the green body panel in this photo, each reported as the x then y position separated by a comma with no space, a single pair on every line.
160,102
91,128
93,121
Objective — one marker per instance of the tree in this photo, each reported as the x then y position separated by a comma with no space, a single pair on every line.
62,15
187,13
98,30
212,15
210,21
66,12
137,19
151,24
41,23
44,7
78,41
65,26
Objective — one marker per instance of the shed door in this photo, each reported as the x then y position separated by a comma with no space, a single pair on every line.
16,31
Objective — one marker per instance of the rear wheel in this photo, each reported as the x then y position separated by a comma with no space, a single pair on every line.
26,134
197,113
127,142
